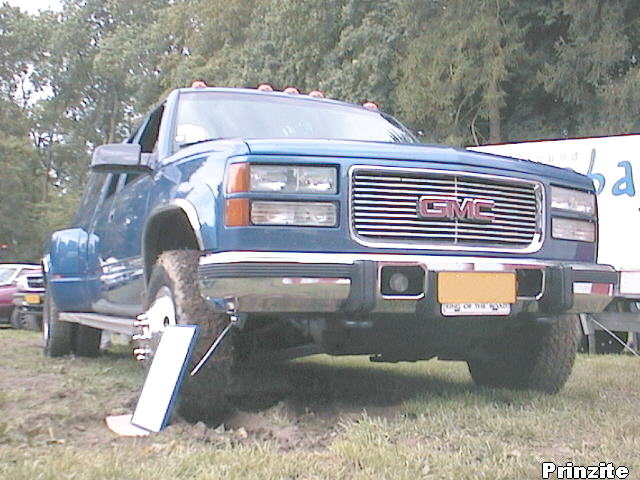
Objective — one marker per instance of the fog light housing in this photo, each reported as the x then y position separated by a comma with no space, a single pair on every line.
402,281
569,229
303,214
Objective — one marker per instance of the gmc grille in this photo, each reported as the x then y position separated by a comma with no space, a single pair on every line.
384,209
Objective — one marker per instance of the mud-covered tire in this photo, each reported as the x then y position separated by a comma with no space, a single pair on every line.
539,356
202,397
86,342
57,336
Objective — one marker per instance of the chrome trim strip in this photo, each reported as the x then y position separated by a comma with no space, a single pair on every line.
278,294
534,246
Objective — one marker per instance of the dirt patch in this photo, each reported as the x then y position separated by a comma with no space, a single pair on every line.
293,406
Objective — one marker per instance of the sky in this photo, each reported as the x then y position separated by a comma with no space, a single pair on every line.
34,6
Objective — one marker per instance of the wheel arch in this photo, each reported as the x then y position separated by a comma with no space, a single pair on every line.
173,226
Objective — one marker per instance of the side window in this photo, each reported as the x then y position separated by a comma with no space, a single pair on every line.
149,136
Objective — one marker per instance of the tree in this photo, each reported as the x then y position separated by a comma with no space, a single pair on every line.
363,63
454,73
596,69
288,42
19,161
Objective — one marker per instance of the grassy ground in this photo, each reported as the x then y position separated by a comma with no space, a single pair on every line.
326,418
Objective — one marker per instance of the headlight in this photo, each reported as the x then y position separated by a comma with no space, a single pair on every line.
316,214
573,200
292,179
567,229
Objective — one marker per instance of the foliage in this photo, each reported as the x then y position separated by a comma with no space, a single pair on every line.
462,72
455,69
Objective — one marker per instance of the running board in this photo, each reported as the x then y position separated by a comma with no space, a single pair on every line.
102,322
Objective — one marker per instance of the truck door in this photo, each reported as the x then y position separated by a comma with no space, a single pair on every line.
119,227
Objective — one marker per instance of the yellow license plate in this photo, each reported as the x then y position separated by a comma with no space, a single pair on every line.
32,298
476,287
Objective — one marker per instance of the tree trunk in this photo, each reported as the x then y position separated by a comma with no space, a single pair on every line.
495,134
111,137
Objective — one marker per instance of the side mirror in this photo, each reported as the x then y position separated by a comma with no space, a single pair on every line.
118,158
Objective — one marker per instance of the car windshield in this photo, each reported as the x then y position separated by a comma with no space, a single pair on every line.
211,115
6,275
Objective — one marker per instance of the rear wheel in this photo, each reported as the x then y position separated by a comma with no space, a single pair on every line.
86,342
57,335
539,356
173,297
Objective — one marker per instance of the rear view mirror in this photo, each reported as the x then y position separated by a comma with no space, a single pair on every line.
117,158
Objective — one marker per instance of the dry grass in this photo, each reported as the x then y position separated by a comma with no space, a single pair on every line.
327,418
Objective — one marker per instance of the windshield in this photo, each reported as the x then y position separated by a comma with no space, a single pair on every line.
210,115
6,275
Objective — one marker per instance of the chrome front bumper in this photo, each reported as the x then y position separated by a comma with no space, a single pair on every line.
281,282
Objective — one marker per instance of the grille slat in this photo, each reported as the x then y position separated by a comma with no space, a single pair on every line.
479,193
405,181
384,207
444,237
448,232
360,202
505,219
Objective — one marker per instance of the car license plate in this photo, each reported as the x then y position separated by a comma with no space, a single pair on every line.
460,309
32,298
476,288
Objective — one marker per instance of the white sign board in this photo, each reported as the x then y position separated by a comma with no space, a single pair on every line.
613,163
165,376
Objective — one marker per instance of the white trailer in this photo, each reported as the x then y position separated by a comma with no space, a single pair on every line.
613,163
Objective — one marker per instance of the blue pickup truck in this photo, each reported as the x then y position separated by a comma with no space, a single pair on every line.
318,226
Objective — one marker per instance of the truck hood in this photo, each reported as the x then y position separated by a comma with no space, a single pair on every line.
429,154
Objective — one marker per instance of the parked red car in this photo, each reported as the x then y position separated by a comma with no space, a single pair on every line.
9,273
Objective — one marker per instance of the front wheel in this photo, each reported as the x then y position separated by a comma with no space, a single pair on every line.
539,356
16,318
173,297
25,320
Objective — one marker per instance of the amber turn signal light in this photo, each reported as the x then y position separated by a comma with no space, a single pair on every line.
238,178
237,212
